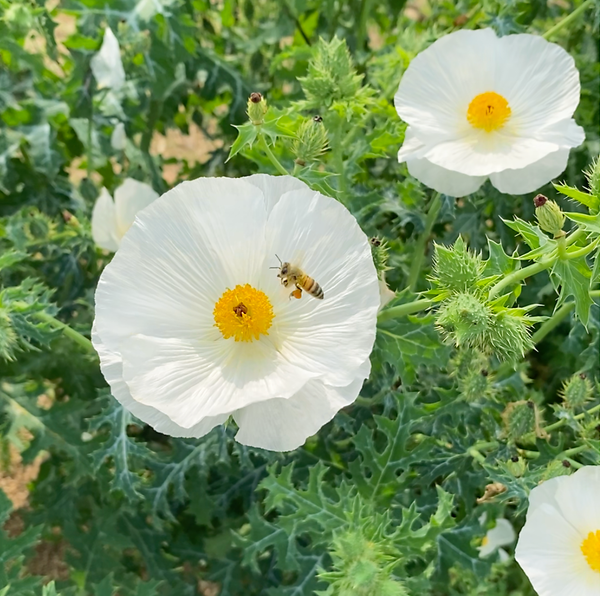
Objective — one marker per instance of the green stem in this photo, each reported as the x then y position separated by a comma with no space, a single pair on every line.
519,275
362,24
395,312
567,20
155,110
582,252
574,236
595,294
79,339
563,421
419,255
338,155
554,321
272,157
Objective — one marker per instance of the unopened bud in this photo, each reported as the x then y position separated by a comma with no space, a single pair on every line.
549,215
557,468
311,141
577,391
516,466
379,250
257,108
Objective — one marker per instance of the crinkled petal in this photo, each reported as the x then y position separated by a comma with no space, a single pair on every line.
578,497
565,133
285,424
274,187
106,65
130,198
111,365
442,180
104,222
411,147
530,178
335,335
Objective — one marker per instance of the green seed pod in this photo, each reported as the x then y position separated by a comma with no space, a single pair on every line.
577,391
257,108
311,141
475,385
549,215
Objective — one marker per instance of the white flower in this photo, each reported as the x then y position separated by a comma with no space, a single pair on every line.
106,64
193,324
111,219
118,138
559,546
386,295
481,107
502,534
146,9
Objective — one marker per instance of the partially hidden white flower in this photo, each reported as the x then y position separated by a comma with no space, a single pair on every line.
111,219
193,324
106,65
118,138
386,295
502,534
478,107
146,9
559,546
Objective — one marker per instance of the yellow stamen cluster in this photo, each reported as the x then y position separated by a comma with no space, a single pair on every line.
590,548
488,111
243,313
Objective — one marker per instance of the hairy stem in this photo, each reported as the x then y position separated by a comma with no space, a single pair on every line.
519,275
272,157
554,321
568,19
79,339
419,255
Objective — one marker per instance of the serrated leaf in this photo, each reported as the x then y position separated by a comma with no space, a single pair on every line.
533,236
499,263
573,278
247,135
590,223
11,257
584,198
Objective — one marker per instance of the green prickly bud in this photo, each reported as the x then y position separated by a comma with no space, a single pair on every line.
9,340
549,215
509,337
257,108
593,177
19,18
380,252
577,391
557,468
517,466
475,384
311,141
456,268
519,419
464,320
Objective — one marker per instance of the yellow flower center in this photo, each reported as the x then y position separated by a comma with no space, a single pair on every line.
590,548
485,541
489,111
243,313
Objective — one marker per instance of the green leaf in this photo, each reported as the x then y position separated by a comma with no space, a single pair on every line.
11,257
247,135
584,198
573,278
590,223
499,263
539,242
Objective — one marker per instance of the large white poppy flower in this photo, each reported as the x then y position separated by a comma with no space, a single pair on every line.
111,219
479,107
559,546
106,65
193,325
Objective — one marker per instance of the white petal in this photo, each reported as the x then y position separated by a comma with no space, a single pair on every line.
335,335
530,178
565,133
385,294
106,64
544,493
285,424
274,187
130,198
538,78
578,497
437,87
549,551
442,180
112,369
118,138
104,222
411,146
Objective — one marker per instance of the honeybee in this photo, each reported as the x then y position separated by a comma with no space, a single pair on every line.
291,275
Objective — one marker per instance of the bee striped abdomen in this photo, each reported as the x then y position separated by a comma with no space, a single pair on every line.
313,288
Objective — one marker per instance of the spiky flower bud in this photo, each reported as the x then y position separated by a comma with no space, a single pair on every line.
464,320
456,268
593,177
19,18
380,252
311,141
517,466
557,468
549,215
522,418
9,340
257,108
475,385
577,391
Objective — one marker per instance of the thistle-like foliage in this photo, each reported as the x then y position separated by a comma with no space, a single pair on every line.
311,141
592,175
577,391
456,268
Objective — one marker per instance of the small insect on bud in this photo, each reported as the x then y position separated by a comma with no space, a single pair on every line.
311,141
516,466
566,463
379,250
257,108
549,216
